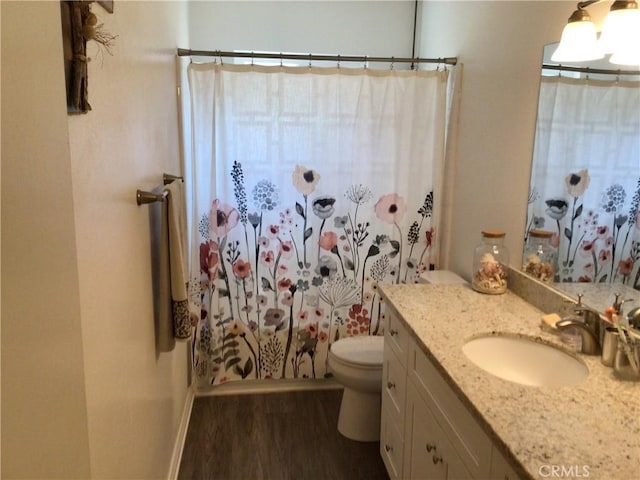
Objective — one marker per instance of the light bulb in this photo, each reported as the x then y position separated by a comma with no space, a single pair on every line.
619,30
579,43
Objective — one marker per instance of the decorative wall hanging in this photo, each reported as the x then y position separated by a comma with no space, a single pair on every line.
79,25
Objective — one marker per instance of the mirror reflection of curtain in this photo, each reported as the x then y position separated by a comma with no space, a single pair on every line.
585,183
309,186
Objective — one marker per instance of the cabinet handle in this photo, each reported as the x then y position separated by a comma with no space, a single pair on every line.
430,447
388,448
391,385
393,332
437,459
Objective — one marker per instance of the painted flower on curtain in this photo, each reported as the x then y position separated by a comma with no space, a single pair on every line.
391,209
282,282
600,240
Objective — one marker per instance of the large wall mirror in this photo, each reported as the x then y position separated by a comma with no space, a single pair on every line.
585,181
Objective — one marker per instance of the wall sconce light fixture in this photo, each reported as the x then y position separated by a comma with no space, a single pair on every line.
620,35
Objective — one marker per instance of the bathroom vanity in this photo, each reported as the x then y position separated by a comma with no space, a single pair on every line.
445,417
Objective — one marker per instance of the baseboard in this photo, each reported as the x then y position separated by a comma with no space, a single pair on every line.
268,386
176,457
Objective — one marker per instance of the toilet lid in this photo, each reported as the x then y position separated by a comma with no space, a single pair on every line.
364,349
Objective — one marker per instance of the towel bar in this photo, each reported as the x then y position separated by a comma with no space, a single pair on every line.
167,178
143,197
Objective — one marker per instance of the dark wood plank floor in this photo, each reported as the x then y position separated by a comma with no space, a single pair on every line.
274,436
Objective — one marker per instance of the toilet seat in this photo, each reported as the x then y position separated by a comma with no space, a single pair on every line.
363,351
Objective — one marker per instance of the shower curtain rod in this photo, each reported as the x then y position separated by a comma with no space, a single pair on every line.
185,52
589,70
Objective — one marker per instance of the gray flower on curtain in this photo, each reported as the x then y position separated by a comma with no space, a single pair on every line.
265,195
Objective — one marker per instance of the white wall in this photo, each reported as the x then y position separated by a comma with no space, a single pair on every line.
44,415
500,44
84,394
383,28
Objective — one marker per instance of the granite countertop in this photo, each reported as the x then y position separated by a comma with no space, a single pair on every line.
592,427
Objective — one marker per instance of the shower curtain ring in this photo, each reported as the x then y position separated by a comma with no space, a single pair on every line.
252,58
338,61
391,66
310,56
366,62
281,59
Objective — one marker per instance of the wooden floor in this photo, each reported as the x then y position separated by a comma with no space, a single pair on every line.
274,436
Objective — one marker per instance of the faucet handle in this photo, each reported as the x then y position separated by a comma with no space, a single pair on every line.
577,303
617,303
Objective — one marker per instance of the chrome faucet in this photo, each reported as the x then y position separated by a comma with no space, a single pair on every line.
587,321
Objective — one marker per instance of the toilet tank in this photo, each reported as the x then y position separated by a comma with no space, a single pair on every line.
440,277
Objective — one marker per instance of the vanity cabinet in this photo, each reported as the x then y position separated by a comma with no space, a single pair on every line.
426,431
394,382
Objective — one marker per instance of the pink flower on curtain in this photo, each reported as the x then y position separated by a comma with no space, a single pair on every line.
604,255
286,249
222,218
626,267
209,260
284,284
602,231
391,208
577,183
430,235
267,259
273,231
241,268
586,248
312,330
305,179
328,240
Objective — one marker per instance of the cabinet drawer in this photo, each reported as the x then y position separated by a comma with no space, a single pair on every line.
396,336
394,383
429,453
467,437
391,446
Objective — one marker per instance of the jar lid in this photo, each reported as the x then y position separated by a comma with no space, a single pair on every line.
493,233
540,233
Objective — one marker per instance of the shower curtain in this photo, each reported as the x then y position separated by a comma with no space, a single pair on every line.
585,182
308,188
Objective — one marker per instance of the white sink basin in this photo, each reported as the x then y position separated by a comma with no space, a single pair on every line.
525,361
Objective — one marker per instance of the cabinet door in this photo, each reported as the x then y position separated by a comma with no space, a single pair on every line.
429,454
391,445
500,468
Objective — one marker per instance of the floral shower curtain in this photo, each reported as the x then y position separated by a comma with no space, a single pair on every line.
309,187
585,184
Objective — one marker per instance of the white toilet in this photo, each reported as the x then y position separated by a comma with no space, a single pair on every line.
356,362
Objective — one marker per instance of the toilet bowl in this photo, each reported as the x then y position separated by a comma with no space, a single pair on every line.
356,362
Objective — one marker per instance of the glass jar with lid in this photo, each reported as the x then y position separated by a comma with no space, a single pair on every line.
540,257
490,262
